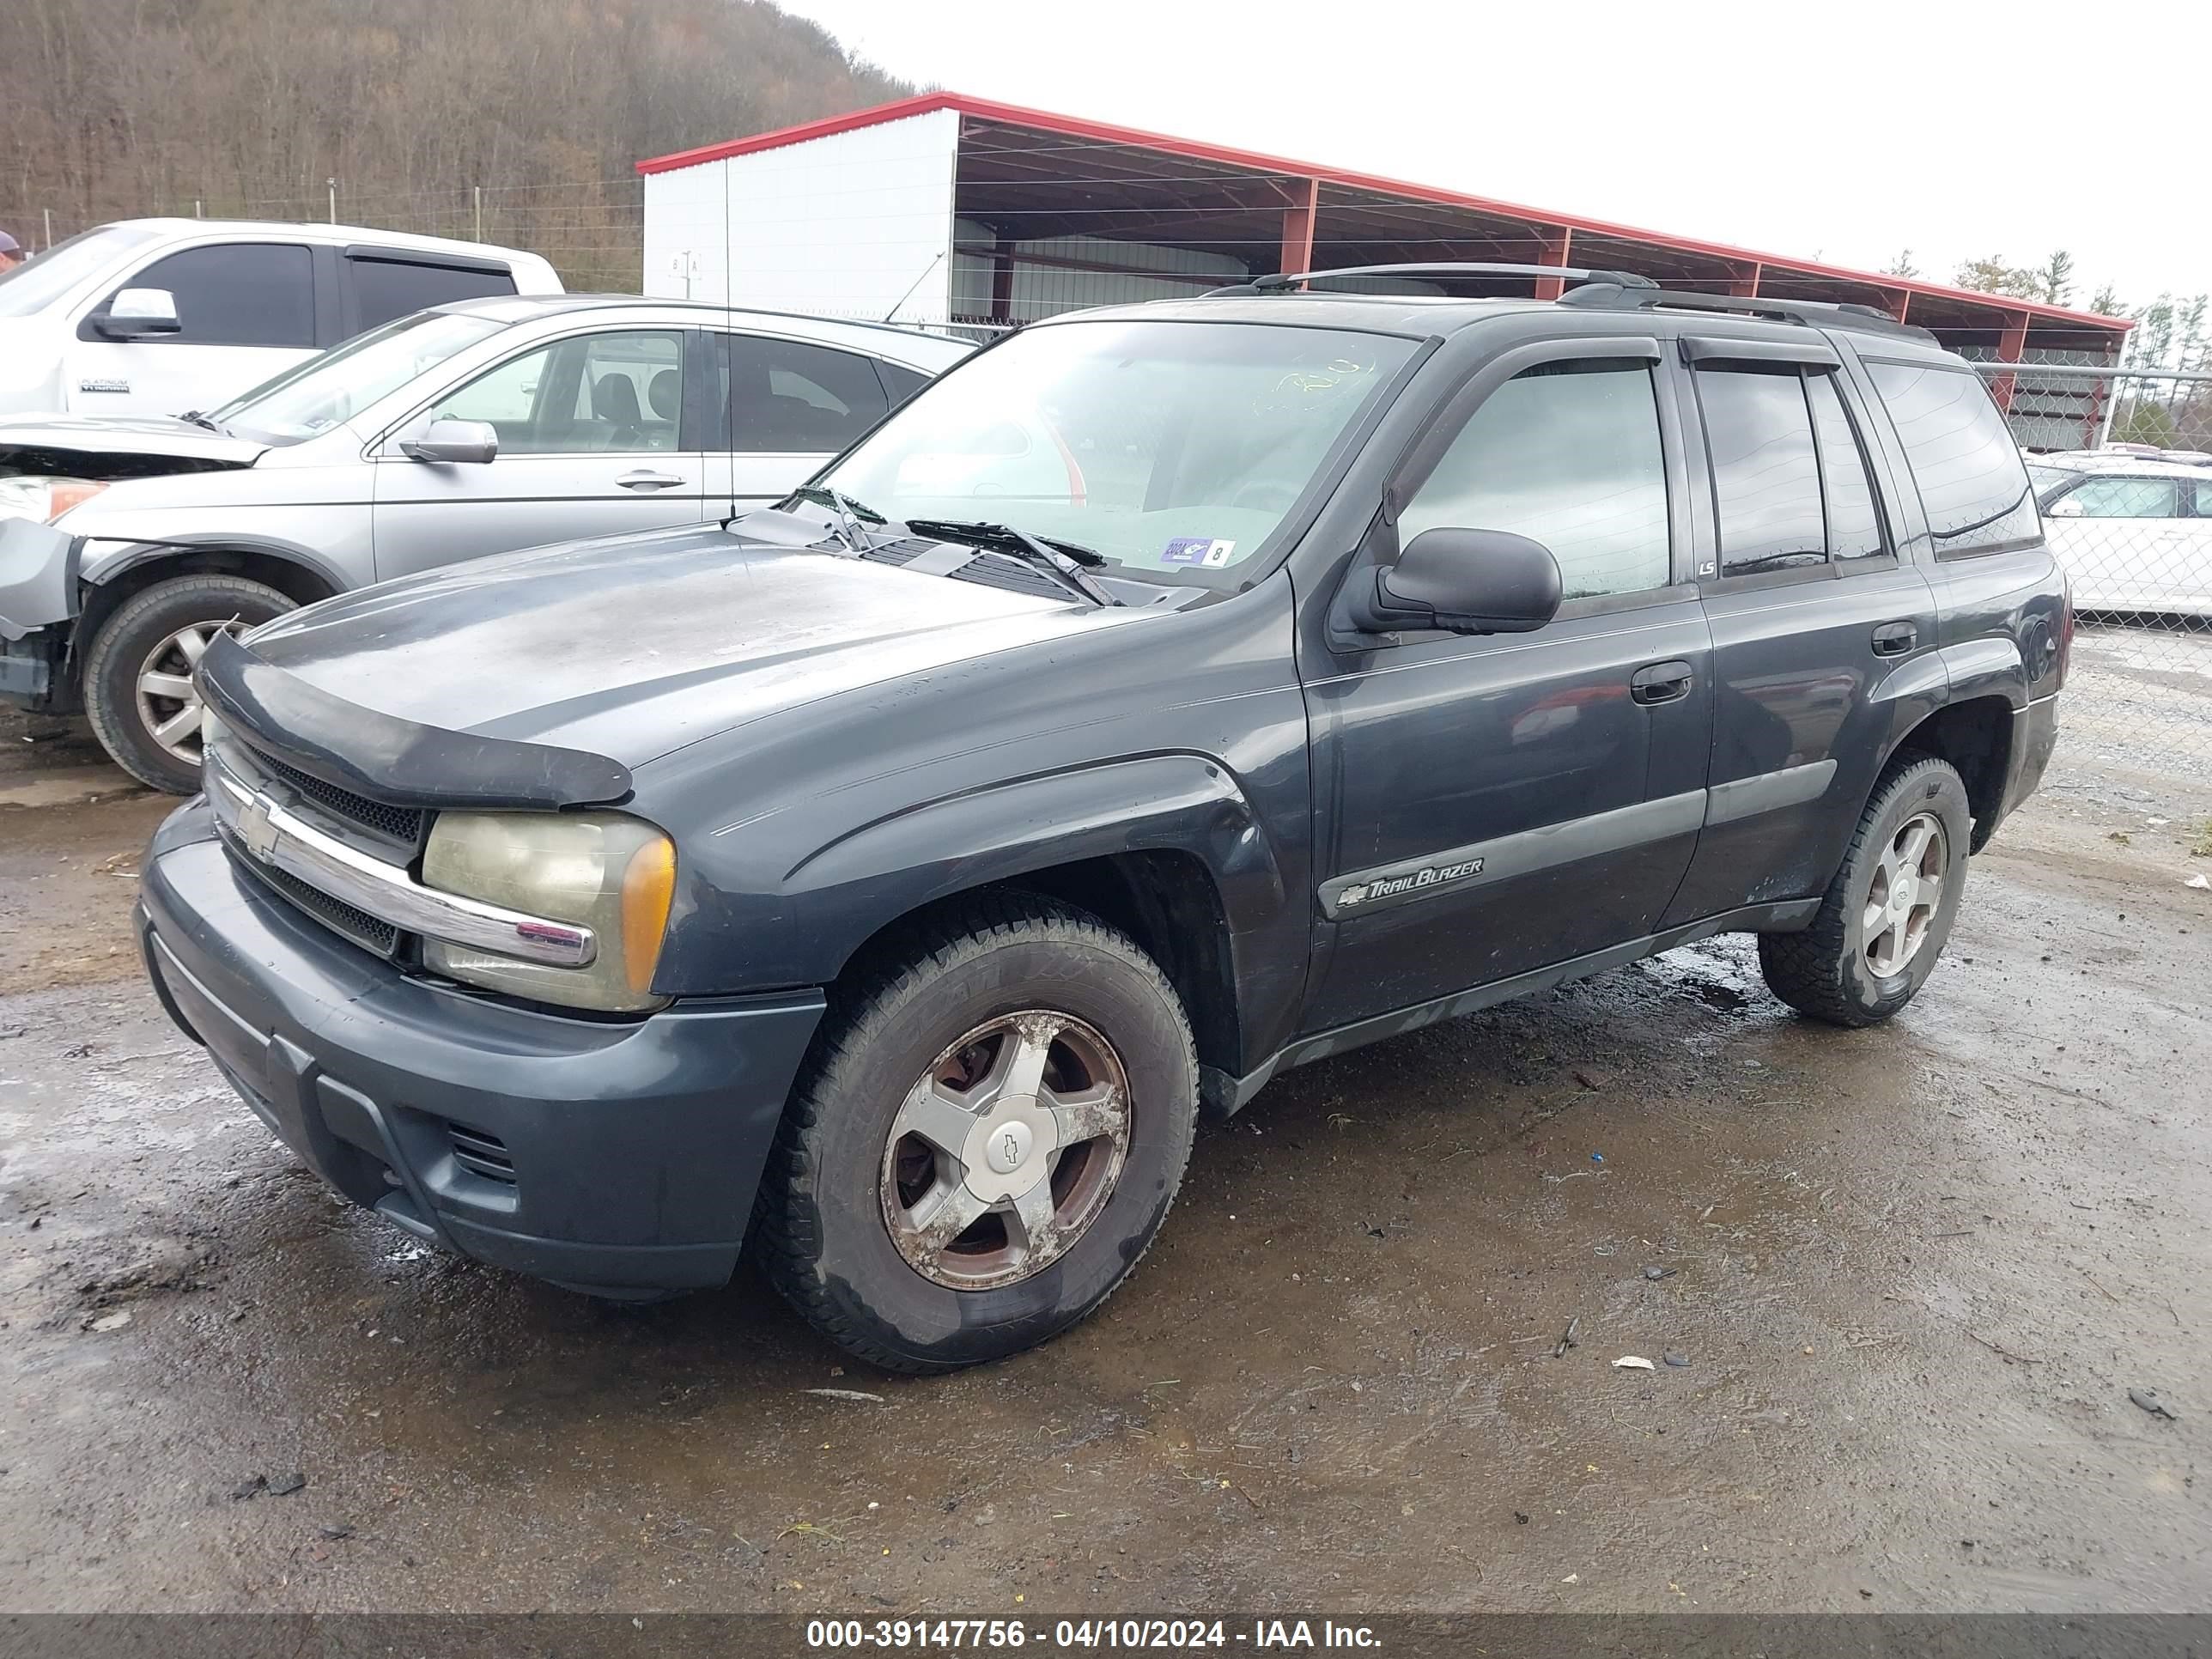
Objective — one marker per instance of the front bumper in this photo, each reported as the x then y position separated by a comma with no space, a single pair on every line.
634,1148
38,576
34,671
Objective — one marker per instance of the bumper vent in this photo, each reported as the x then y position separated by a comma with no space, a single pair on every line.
480,1154
370,932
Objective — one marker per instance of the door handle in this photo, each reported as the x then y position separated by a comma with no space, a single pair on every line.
644,480
1661,681
1895,639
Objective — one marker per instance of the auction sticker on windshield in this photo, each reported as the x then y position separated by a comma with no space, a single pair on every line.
1211,552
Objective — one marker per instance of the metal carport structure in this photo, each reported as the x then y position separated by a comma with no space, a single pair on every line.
952,210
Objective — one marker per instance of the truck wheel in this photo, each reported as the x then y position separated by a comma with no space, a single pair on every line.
138,689
1886,916
986,1139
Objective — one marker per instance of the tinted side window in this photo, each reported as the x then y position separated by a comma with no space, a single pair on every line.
385,288
900,383
249,294
1973,485
1758,434
1568,455
1854,521
790,398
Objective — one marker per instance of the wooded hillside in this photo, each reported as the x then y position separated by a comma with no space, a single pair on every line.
115,108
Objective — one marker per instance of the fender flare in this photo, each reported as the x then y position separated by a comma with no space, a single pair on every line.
861,881
139,553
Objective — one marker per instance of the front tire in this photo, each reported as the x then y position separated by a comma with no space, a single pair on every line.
988,1135
1884,919
138,692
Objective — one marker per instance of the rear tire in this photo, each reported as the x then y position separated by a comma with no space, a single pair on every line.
868,1179
1884,919
137,691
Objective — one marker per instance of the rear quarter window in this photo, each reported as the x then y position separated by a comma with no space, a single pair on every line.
388,288
1973,485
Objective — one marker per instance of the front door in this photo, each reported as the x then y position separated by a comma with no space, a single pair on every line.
246,313
1816,624
1509,802
593,440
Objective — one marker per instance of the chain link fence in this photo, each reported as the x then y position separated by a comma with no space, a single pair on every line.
2121,460
2132,521
593,232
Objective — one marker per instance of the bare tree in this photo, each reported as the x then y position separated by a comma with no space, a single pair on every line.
120,108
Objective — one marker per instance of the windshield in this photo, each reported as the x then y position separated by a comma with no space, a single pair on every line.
327,391
1167,447
45,278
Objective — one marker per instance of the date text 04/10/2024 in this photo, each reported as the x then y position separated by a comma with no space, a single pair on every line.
1087,1633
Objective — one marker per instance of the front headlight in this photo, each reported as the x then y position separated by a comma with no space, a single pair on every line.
44,498
604,871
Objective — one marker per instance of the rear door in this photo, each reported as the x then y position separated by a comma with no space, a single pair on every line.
380,284
1508,802
793,404
1816,617
246,311
593,440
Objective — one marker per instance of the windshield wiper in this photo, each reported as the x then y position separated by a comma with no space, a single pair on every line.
1063,562
850,513
200,420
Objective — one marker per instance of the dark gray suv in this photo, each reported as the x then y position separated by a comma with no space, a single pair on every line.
1168,695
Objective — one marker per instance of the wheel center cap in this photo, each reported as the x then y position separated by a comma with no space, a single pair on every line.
1008,1146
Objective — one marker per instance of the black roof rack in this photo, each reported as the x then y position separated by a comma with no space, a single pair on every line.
1278,283
1643,296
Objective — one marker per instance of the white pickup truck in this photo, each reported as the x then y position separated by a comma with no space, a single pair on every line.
160,316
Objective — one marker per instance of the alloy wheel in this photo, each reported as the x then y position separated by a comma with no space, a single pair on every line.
1005,1149
1908,885
168,702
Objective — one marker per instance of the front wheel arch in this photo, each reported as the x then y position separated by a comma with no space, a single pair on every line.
301,582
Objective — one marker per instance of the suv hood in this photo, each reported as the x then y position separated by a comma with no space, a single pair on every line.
111,446
629,648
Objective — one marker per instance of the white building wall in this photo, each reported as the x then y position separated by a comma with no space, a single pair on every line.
856,224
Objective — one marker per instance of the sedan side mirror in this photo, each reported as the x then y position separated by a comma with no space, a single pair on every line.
466,443
2067,508
140,313
1464,582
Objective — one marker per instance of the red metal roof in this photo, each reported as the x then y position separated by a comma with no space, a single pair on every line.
1102,133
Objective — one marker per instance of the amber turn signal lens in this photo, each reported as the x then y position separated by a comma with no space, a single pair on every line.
648,889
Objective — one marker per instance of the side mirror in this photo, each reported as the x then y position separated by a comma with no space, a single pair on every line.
140,313
2069,508
464,443
1464,582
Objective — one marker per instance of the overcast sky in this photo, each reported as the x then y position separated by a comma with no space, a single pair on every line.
1847,133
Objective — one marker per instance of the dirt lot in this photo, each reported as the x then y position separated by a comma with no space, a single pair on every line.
1914,1273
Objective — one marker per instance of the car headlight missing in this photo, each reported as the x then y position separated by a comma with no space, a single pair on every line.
605,871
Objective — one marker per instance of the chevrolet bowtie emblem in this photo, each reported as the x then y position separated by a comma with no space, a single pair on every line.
256,828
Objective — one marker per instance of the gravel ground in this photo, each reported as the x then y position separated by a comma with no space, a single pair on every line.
1915,1273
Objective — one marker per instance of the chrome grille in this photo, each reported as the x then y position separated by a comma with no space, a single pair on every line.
401,824
348,920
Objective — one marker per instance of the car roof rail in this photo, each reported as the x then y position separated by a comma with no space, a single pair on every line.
1831,313
1286,280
